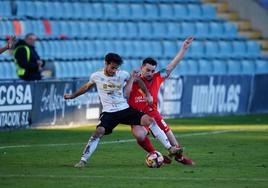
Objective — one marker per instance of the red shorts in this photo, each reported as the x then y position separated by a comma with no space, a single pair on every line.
159,120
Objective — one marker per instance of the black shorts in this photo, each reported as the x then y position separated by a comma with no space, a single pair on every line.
129,116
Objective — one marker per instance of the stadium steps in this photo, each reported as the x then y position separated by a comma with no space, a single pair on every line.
244,26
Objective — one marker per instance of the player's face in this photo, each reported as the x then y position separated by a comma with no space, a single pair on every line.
147,71
110,69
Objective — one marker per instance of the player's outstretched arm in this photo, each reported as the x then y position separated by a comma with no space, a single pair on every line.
145,90
79,92
179,55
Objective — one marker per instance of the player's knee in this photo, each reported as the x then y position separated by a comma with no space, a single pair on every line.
99,132
139,132
146,120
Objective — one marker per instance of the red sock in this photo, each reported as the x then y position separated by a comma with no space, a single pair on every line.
146,145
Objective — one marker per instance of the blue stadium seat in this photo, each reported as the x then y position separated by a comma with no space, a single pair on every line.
253,48
166,11
169,49
58,11
145,30
112,30
132,30
205,67
148,49
110,11
129,48
234,67
230,29
239,49
261,66
159,30
88,10
219,67
119,47
77,10
193,68
197,49
180,11
59,72
98,11
187,29
248,67
137,11
126,66
195,11
5,9
216,30
90,49
135,64
6,28
157,49
94,29
126,30
202,30
225,49
103,29
208,12
55,27
21,8
211,49
124,11
173,30
181,69
138,49
151,11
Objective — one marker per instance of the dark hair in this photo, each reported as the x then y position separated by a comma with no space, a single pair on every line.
29,34
150,61
113,58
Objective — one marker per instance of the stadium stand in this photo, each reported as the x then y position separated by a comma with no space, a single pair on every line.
75,35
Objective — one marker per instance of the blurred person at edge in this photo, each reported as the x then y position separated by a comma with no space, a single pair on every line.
9,44
28,63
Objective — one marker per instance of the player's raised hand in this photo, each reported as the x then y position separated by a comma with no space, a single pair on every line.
187,42
135,74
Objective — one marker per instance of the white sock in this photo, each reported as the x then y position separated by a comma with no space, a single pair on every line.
160,135
90,148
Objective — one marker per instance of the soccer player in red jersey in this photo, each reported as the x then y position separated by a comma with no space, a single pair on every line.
153,80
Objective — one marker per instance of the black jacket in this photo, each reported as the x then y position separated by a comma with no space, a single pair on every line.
32,71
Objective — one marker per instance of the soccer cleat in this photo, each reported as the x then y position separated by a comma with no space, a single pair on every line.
80,164
186,161
173,150
167,160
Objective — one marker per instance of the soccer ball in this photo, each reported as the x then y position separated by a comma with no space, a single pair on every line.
154,159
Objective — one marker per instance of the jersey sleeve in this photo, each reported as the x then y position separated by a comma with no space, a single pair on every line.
163,73
126,75
92,78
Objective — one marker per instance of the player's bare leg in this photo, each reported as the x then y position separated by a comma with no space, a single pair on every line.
159,134
90,147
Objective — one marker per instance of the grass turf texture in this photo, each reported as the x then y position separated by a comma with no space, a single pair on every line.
229,152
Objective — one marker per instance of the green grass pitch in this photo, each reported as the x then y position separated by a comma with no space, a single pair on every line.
228,151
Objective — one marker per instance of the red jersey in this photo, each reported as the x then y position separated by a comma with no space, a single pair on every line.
137,98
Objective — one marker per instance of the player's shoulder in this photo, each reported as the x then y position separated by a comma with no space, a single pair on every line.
98,73
123,73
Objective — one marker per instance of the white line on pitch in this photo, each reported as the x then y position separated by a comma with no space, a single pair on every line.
132,178
116,141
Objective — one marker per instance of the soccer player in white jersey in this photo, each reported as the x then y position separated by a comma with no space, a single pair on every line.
110,83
